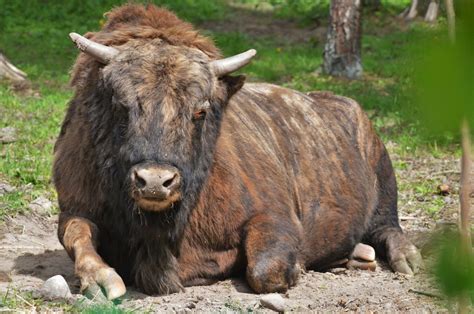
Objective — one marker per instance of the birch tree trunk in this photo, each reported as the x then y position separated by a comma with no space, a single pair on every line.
413,11
342,50
451,19
432,11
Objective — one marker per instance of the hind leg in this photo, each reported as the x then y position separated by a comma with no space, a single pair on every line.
385,233
272,249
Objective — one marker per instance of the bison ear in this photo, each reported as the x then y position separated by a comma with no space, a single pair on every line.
233,83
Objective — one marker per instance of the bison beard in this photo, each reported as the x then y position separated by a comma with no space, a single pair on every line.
170,172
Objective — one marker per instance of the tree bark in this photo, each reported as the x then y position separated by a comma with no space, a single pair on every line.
464,195
413,12
451,19
432,11
419,6
342,50
13,75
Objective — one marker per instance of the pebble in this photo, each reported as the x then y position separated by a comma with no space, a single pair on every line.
448,200
8,135
273,301
338,270
55,288
191,305
363,252
444,189
363,265
4,277
41,205
328,276
5,188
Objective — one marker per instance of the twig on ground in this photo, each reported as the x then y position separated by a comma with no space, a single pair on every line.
428,294
408,218
23,299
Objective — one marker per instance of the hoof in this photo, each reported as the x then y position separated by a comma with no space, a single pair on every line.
105,281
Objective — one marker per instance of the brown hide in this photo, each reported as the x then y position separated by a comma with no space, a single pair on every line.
295,157
276,180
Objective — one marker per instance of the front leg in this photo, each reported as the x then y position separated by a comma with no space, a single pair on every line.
272,248
79,236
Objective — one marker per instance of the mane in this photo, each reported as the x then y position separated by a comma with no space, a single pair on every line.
132,21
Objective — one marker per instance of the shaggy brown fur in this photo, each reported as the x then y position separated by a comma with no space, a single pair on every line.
273,180
131,22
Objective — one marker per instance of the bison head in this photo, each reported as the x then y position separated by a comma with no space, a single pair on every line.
161,106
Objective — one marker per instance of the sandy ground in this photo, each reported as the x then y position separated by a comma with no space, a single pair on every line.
30,253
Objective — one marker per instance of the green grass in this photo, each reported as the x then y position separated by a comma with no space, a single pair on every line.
27,163
34,37
14,300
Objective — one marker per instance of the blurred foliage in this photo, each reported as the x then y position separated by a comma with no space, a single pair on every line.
454,267
445,87
445,77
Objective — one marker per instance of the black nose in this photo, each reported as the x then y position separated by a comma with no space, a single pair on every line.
155,182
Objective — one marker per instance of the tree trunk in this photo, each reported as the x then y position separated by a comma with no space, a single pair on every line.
413,12
342,49
465,212
13,75
419,6
451,19
432,11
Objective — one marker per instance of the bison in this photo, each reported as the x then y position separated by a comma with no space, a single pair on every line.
170,172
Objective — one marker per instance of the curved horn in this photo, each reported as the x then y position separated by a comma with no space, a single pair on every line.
100,52
228,65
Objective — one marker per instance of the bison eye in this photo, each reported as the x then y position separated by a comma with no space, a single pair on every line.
199,114
201,110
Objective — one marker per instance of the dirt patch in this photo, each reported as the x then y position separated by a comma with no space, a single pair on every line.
30,253
264,25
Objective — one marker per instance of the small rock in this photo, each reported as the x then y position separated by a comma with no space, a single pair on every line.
5,188
363,252
338,270
362,265
8,135
444,189
55,288
448,200
328,276
4,277
191,305
41,205
273,301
